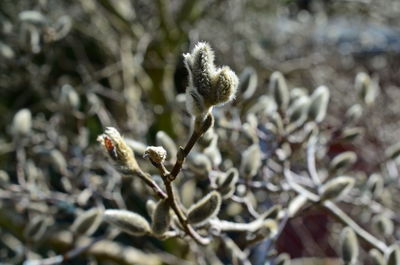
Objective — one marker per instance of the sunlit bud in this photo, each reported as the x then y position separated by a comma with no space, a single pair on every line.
127,221
157,154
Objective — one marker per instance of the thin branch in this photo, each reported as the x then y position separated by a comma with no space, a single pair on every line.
345,219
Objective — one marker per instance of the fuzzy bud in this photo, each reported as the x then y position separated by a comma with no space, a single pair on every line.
127,221
336,187
350,134
349,246
251,161
393,255
204,209
87,223
157,154
393,151
343,161
22,122
354,113
383,225
161,218
69,97
227,183
150,206
279,89
208,86
162,139
248,83
365,88
117,149
377,257
318,104
375,184
298,110
36,228
199,163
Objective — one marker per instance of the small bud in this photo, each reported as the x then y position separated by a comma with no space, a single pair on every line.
161,218
69,97
150,206
383,225
282,259
36,228
336,187
117,149
157,154
279,89
298,110
32,17
350,134
248,83
354,113
199,163
318,104
227,183
297,93
162,139
375,184
364,87
377,257
393,151
343,161
264,104
349,246
87,223
204,209
393,255
251,161
22,122
127,221
6,51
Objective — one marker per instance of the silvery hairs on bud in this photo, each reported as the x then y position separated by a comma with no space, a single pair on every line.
127,221
204,209
157,154
208,85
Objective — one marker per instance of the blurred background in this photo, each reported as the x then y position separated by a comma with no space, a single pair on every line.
68,69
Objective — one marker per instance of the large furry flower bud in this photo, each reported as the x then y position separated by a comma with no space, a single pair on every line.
208,85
